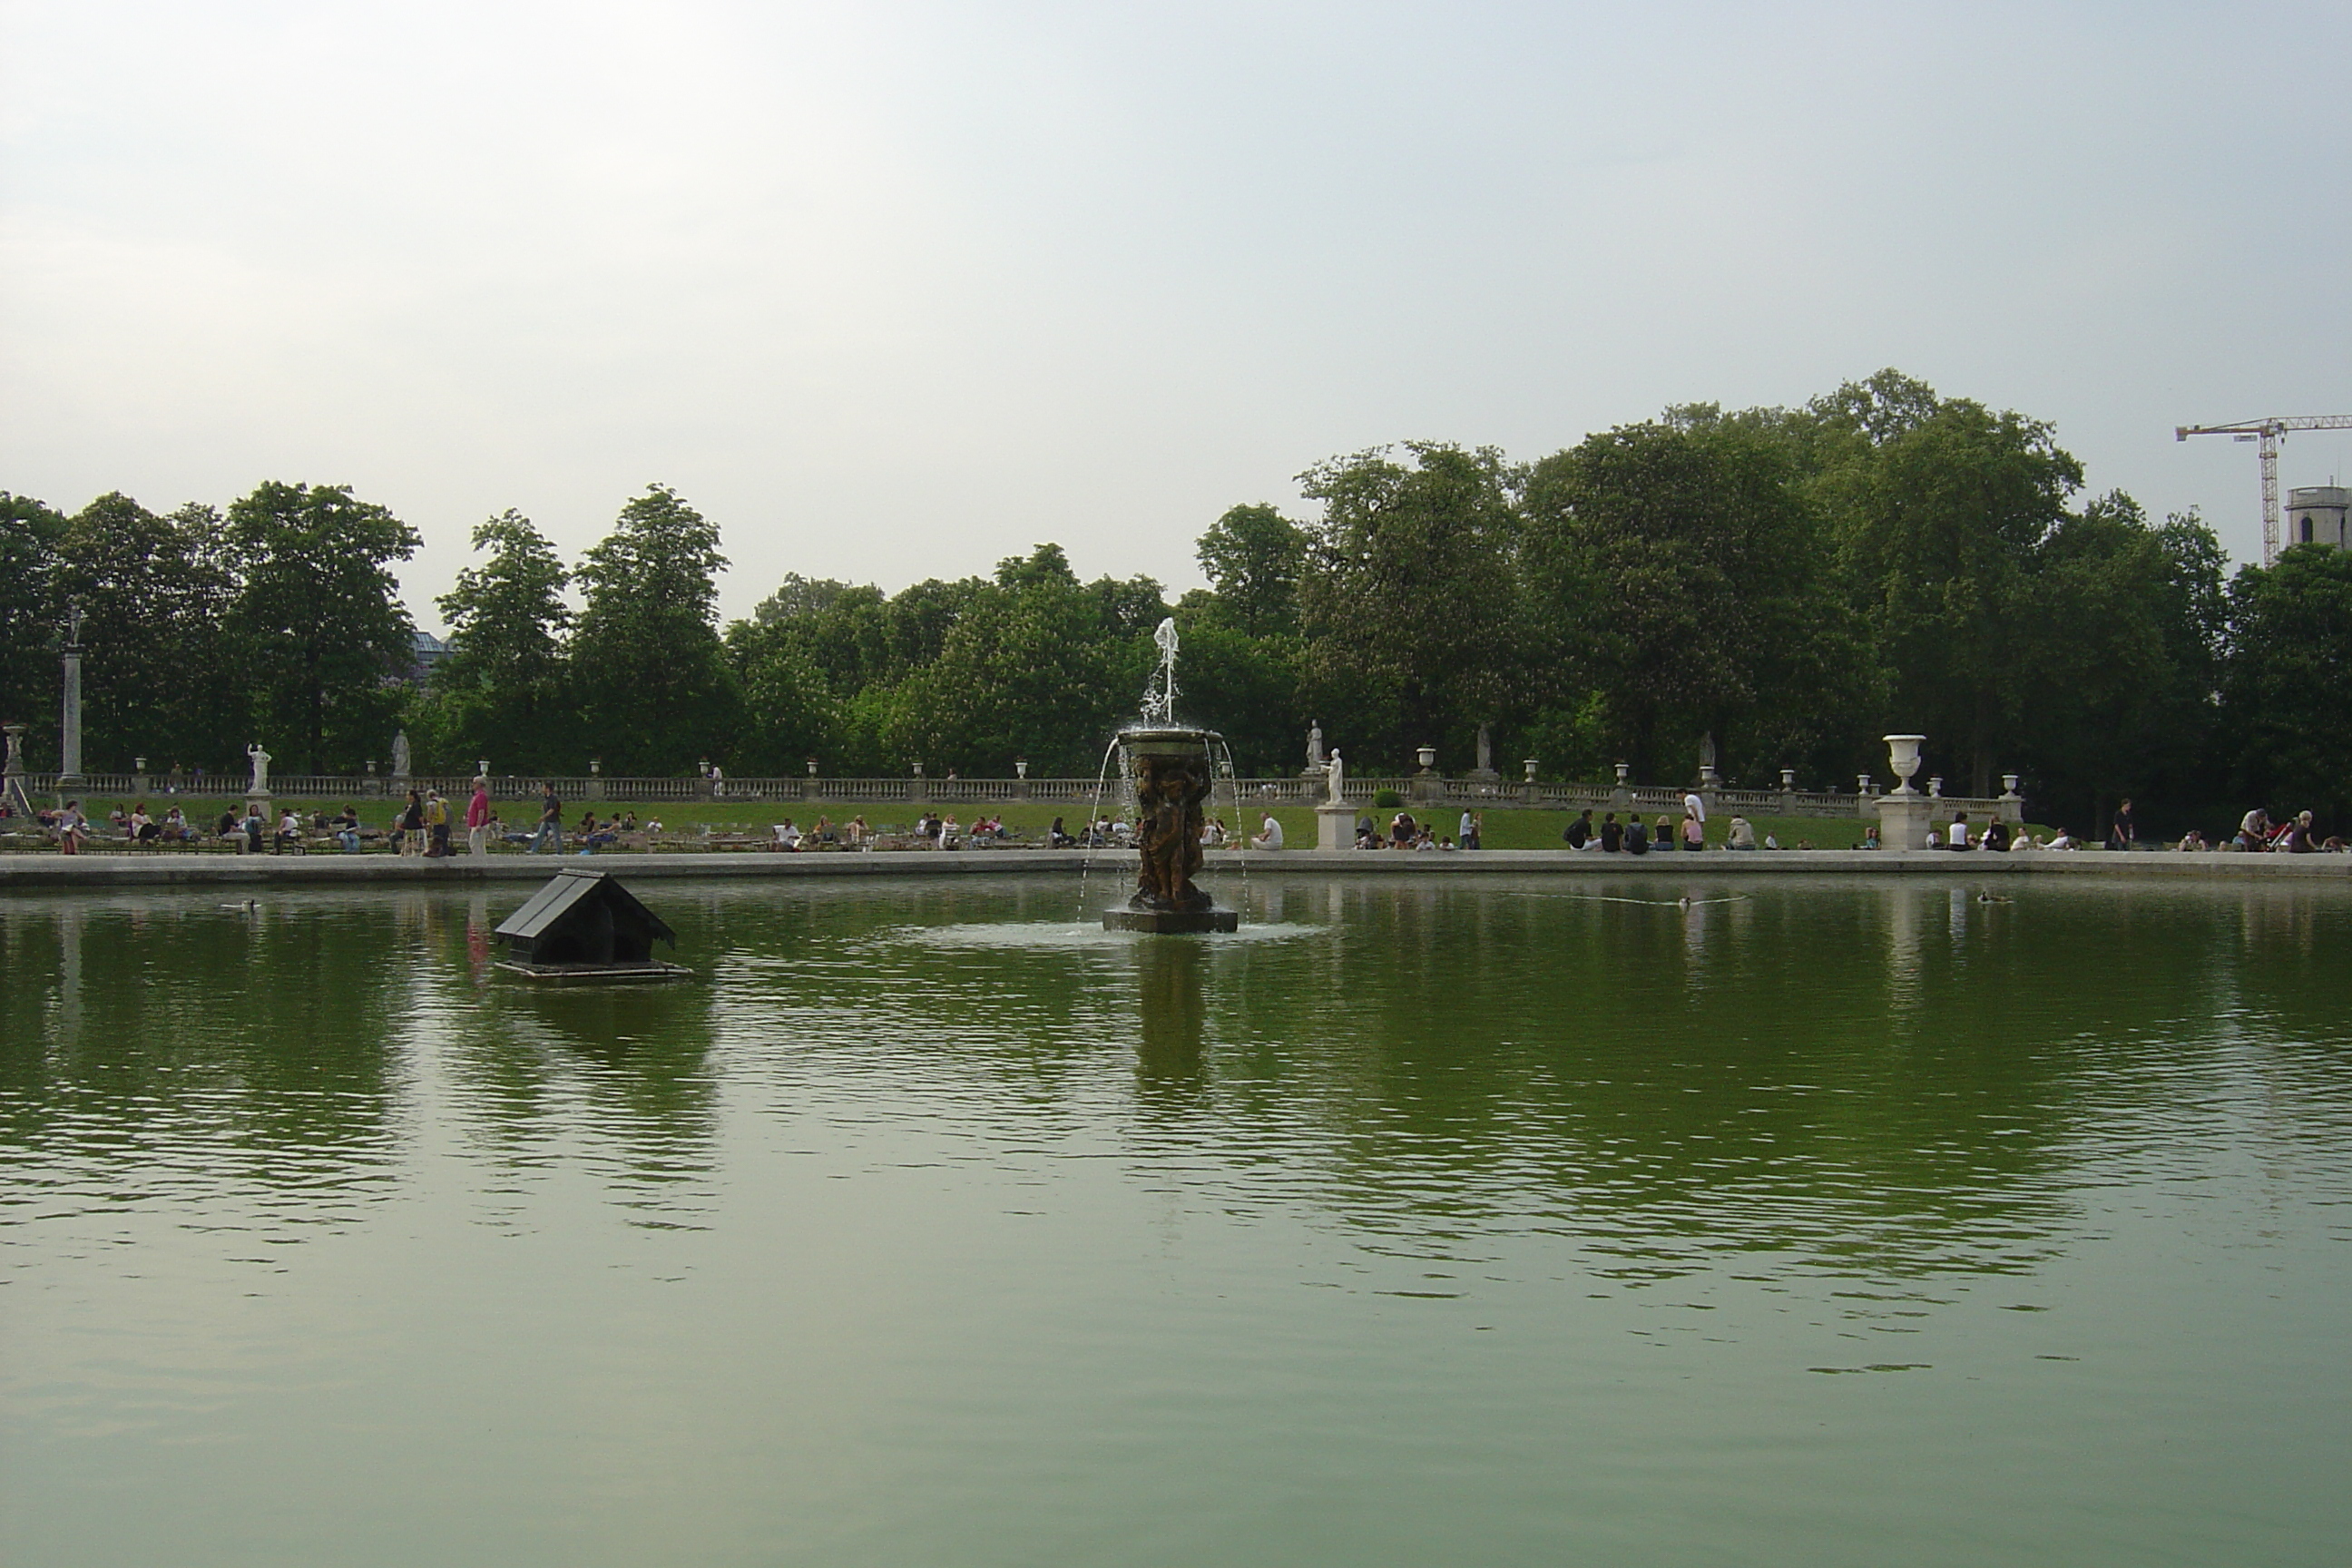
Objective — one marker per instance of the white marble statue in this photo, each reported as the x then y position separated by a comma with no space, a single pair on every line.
1337,773
400,755
1314,758
260,769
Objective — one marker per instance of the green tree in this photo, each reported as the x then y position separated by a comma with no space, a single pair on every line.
655,688
318,619
2290,640
1254,557
1687,583
29,532
1409,604
502,693
798,597
1942,519
160,678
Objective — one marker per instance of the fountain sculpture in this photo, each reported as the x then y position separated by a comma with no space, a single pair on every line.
1171,769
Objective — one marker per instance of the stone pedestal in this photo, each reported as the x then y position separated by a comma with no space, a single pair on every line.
1335,825
1171,923
1902,820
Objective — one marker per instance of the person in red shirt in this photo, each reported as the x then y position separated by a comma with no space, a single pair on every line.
477,818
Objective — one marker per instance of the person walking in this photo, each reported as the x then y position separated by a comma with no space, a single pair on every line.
549,839
478,819
412,825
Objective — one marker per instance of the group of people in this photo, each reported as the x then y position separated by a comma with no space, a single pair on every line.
2258,834
822,835
1406,833
1634,837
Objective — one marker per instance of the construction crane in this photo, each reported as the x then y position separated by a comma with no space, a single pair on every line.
2268,432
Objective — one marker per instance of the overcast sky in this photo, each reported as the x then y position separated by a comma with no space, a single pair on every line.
890,292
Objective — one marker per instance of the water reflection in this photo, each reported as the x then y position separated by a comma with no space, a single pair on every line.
1172,1015
1888,1079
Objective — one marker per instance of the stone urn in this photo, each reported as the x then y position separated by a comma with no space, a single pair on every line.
1903,754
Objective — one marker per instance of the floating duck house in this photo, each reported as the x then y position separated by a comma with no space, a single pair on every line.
583,925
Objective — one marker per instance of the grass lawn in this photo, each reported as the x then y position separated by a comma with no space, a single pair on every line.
1504,828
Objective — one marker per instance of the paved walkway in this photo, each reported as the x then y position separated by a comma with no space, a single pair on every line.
151,869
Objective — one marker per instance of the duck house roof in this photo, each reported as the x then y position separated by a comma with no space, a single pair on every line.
571,894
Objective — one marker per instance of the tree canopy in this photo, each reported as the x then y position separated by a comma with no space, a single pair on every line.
1789,583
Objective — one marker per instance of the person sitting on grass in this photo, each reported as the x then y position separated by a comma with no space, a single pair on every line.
2191,842
1270,836
858,832
1058,837
1869,837
1996,836
1742,835
2061,839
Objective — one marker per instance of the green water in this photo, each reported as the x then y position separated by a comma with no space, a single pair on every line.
1842,1222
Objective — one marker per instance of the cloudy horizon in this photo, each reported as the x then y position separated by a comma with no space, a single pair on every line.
893,295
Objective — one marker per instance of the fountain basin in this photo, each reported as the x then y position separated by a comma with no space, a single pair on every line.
1173,923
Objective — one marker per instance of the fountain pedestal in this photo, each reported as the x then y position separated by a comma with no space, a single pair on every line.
1335,825
1171,770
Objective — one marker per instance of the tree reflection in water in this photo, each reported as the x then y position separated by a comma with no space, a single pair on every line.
1882,1078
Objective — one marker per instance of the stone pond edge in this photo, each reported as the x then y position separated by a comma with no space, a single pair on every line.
102,871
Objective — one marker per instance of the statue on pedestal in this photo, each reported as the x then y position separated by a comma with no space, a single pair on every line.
1336,773
260,785
400,755
1169,790
1316,760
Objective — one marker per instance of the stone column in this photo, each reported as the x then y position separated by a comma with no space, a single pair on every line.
2012,804
1335,825
1528,791
920,788
1621,799
70,778
1428,789
595,778
1787,791
1021,779
1903,813
1865,796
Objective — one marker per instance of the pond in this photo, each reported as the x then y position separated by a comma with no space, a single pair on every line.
1818,1221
